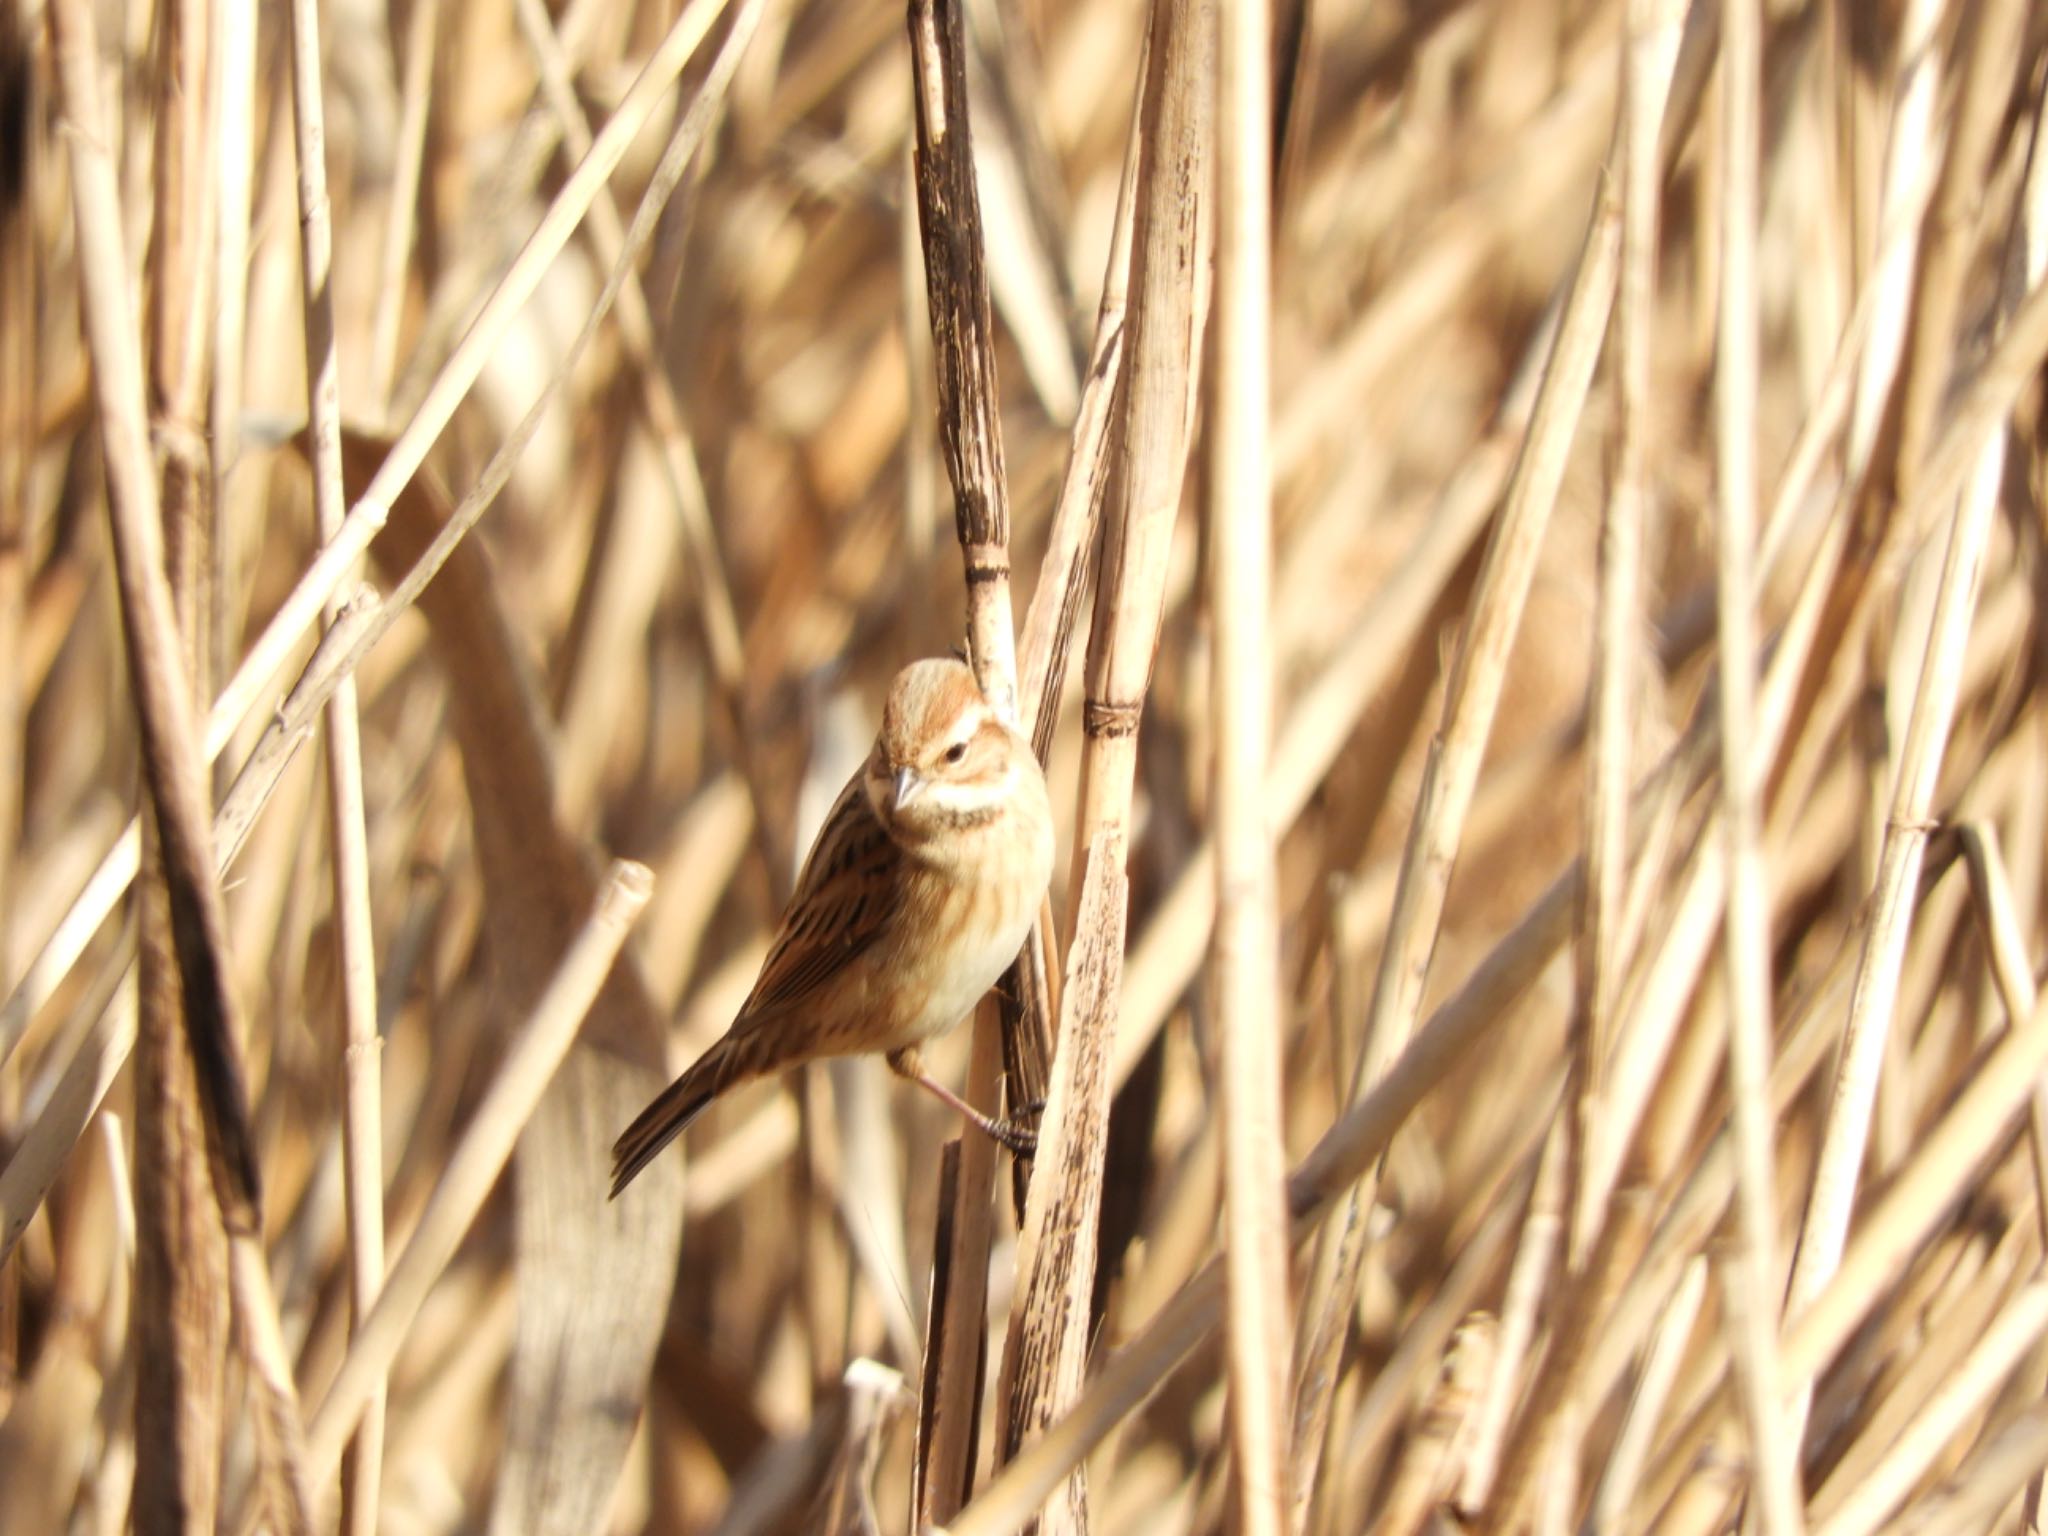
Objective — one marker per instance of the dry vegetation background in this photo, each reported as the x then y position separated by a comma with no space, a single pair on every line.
1636,368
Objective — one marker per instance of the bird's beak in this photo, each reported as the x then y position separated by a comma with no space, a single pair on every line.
908,786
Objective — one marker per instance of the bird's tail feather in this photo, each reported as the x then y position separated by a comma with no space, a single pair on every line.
671,1113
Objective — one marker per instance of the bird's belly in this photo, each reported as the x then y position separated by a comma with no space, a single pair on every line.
935,996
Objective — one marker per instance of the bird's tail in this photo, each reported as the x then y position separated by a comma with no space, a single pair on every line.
670,1114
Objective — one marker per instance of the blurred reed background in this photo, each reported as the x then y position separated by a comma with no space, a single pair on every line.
1656,767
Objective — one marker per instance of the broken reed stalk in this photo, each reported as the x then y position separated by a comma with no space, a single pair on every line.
1246,943
527,1066
348,846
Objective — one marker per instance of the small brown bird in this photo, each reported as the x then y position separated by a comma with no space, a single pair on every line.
917,895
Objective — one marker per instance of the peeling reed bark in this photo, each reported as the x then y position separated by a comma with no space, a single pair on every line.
970,432
1167,297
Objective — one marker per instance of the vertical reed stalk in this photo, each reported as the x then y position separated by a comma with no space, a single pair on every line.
1245,947
1746,930
348,841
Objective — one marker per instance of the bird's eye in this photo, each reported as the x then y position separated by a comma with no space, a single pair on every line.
956,752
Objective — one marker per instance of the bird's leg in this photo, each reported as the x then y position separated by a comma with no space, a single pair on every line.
1020,1140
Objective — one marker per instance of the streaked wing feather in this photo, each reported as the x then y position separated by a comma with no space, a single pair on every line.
845,896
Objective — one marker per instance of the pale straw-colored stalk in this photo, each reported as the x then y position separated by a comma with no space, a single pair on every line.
1915,774
362,1124
1750,1284
527,1065
1245,948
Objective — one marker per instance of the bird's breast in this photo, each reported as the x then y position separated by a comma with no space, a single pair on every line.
964,931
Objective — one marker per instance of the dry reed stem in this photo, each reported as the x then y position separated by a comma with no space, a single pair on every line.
1246,942
1917,769
963,348
154,650
1073,1137
1442,1424
1522,1293
970,430
1478,669
1168,290
1971,1499
361,1049
1993,35
416,61
1046,1350
1166,956
1945,1411
1615,1494
232,153
69,1105
181,1284
2011,972
1951,1301
1751,1306
1154,408
1650,51
1378,1414
1473,691
527,1067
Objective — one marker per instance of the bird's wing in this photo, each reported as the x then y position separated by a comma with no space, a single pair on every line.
846,894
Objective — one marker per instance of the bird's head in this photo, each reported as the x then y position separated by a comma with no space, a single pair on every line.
943,759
